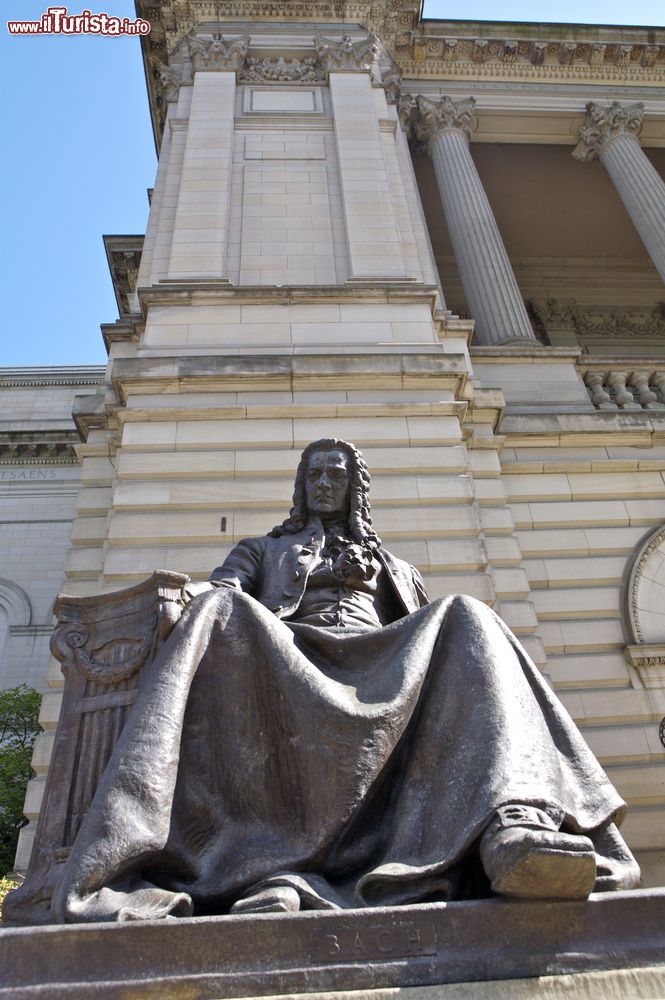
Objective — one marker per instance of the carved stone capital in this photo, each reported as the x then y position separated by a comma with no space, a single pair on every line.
602,124
214,53
430,118
358,57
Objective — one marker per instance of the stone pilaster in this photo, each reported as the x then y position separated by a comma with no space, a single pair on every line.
200,229
610,134
372,230
494,299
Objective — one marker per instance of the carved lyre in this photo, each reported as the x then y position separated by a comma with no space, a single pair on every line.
103,643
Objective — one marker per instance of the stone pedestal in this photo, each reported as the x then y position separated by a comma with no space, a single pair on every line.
378,950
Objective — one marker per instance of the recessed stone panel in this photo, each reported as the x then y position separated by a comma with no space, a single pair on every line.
270,99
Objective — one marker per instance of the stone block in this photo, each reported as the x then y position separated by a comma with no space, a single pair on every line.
454,554
619,745
578,602
542,487
544,542
640,786
621,485
592,634
576,513
476,585
503,551
412,951
519,616
510,583
607,669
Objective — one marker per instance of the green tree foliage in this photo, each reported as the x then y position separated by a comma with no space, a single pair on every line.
19,710
6,885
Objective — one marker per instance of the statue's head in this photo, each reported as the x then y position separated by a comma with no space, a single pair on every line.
332,478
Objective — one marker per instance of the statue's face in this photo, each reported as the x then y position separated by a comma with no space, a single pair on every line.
327,483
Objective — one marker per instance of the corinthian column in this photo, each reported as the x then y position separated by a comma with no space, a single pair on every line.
444,128
611,135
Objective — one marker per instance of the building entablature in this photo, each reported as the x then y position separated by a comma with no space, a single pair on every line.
275,42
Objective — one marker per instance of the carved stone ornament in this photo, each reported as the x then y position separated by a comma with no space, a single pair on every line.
404,112
431,117
103,643
282,70
392,81
645,592
212,52
44,448
603,124
359,57
627,324
171,78
215,53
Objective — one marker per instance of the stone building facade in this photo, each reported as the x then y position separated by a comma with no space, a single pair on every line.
39,484
444,241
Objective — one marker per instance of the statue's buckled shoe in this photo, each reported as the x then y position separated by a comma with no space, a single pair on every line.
525,854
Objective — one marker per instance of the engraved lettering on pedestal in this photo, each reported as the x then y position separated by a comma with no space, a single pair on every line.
376,942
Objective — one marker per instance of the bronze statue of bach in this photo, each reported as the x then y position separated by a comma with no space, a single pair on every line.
315,734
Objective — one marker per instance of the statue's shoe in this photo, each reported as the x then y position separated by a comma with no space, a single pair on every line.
525,854
272,899
617,869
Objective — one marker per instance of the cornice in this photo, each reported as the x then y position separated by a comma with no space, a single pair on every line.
123,254
38,448
221,292
215,373
526,71
18,378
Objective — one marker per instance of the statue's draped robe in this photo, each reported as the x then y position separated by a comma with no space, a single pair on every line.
359,765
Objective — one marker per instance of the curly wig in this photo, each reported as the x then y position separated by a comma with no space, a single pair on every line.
360,518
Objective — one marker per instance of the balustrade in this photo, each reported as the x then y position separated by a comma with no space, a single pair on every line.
643,389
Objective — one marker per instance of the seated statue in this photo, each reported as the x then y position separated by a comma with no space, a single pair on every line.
315,734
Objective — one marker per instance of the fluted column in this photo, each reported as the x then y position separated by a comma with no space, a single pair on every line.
611,135
444,128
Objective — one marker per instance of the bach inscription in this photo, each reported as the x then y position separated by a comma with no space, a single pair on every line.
385,942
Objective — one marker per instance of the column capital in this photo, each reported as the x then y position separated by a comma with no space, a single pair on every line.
213,52
602,124
347,55
430,118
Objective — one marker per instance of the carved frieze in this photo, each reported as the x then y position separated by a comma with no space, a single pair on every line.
566,314
282,70
603,124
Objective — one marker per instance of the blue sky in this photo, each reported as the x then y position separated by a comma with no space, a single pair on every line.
80,156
